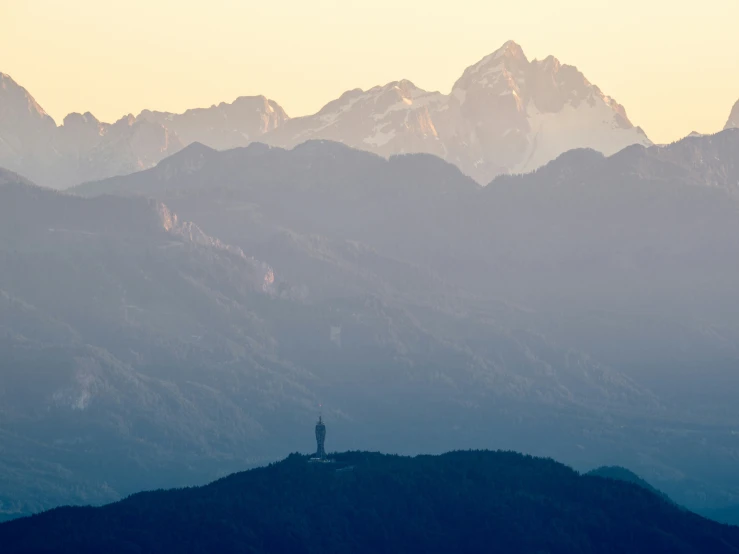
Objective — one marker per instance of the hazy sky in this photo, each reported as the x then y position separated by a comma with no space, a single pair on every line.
673,64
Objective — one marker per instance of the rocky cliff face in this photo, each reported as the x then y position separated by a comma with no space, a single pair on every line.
84,148
506,114
81,149
24,125
733,121
223,126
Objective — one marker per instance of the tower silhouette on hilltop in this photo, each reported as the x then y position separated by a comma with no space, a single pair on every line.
320,439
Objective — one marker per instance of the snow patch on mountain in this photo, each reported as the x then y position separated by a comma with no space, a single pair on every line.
733,122
504,114
584,126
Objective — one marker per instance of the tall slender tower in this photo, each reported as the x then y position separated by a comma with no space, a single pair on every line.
320,439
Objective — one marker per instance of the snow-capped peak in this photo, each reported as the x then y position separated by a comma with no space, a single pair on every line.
501,72
505,113
17,102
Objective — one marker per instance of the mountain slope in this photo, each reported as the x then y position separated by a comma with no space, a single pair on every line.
521,115
629,258
726,514
733,121
392,119
223,126
505,114
622,474
461,502
140,351
585,228
24,125
129,348
85,149
81,149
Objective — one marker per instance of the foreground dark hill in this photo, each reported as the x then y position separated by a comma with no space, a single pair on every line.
457,502
727,514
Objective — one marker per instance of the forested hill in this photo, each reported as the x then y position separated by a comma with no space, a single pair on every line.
623,474
458,502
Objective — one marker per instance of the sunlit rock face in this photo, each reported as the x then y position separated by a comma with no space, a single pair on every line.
84,148
223,126
24,126
392,119
505,114
81,149
733,122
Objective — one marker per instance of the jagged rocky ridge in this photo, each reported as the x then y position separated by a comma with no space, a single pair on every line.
630,258
505,114
81,149
84,148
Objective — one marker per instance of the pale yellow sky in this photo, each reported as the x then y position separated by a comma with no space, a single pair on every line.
673,64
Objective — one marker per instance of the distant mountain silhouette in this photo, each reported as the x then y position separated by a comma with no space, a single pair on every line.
726,514
459,502
504,114
223,126
107,306
81,149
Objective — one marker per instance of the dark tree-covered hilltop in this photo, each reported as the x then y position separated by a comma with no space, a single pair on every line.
474,501
623,474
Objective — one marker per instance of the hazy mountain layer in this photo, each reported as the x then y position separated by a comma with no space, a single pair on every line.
84,148
629,258
622,474
81,149
462,502
223,126
138,351
505,114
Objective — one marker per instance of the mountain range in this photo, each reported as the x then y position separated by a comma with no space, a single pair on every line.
505,114
82,148
360,502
